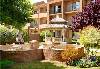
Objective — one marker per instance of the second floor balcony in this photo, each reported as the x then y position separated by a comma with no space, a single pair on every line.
39,15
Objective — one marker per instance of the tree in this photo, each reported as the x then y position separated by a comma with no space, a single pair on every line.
90,15
15,12
89,35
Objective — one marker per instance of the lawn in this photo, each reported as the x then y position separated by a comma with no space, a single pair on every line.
36,65
45,64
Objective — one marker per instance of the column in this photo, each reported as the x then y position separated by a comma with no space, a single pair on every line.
62,9
81,5
48,10
63,34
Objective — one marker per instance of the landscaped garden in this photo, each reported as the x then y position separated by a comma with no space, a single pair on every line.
17,51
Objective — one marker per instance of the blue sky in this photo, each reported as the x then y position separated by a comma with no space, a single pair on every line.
34,1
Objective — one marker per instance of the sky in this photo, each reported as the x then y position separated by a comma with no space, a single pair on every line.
34,1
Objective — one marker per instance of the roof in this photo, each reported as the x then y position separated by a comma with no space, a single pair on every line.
48,26
58,19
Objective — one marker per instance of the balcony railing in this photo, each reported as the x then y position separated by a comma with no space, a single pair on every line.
54,12
53,39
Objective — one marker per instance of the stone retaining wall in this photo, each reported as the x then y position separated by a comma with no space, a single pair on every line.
22,56
52,54
37,54
57,54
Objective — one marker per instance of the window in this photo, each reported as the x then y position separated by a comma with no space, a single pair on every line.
53,10
75,5
59,9
56,9
58,33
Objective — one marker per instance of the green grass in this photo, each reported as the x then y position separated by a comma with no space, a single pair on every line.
36,65
4,64
45,65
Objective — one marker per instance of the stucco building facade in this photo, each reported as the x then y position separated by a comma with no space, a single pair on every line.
65,9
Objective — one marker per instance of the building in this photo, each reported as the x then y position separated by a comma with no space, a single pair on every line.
58,10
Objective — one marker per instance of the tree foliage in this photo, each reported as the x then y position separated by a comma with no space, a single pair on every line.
89,35
15,12
90,15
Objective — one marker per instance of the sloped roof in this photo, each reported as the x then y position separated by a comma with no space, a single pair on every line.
58,19
48,26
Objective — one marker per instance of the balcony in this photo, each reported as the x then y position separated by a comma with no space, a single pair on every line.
39,15
71,12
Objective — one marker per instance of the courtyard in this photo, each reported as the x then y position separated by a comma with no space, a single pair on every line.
56,34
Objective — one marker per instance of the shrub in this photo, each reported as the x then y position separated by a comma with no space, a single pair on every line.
89,36
71,53
98,60
85,63
7,35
